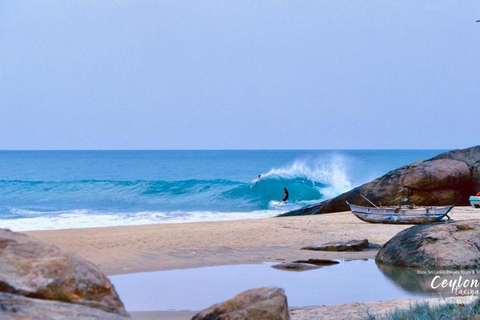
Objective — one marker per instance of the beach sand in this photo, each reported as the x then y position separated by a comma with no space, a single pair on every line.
129,249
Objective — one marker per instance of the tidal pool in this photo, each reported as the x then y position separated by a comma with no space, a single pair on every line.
199,288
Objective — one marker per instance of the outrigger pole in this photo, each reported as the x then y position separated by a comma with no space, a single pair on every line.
373,204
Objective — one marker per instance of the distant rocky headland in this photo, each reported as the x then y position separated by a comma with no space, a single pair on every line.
448,178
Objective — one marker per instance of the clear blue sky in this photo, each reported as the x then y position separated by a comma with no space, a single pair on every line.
175,74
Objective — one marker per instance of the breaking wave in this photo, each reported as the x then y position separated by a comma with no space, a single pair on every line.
88,203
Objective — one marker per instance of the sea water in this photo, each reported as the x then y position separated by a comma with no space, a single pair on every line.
42,190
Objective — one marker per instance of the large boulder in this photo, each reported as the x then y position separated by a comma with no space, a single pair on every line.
449,178
33,269
451,245
15,307
267,303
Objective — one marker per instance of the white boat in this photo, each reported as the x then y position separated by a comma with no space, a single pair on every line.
401,214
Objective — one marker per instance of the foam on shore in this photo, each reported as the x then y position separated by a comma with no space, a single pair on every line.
84,219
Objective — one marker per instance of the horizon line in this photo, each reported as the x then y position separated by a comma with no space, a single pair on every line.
256,149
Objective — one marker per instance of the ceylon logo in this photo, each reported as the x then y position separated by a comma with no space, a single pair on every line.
460,284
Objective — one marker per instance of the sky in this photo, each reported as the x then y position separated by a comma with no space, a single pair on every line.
248,74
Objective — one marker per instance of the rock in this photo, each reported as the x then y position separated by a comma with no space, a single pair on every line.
436,174
449,178
33,269
318,262
267,303
452,245
374,246
352,245
15,307
295,266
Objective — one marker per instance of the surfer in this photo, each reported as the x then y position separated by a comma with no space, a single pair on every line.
285,195
257,180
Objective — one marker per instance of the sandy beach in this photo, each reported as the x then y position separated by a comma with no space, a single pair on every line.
130,249
118,250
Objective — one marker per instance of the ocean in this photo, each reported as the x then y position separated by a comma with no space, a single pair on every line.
42,190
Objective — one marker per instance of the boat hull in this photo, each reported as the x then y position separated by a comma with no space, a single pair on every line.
475,202
399,215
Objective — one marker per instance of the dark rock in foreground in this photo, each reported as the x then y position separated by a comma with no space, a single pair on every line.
33,269
318,262
449,178
353,245
267,303
15,307
451,245
295,266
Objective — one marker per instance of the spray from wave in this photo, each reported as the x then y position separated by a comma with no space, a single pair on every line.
328,179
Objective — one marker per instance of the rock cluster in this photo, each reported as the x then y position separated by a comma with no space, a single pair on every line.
35,276
449,178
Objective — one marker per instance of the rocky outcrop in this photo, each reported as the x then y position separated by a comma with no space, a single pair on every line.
36,270
449,178
15,307
267,303
352,245
452,245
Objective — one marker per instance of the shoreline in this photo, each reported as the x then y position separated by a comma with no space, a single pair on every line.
159,247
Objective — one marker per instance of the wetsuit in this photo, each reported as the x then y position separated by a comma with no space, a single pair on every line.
285,197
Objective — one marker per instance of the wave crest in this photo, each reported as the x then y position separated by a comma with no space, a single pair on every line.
307,183
329,177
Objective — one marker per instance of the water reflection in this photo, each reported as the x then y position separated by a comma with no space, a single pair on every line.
196,289
444,282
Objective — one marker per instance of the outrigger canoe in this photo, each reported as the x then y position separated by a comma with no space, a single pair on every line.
400,215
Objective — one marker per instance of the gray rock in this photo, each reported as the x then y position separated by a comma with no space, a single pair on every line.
33,269
267,303
295,266
318,262
353,245
452,245
449,178
15,307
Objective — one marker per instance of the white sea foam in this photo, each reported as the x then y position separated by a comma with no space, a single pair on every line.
39,212
84,219
331,173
